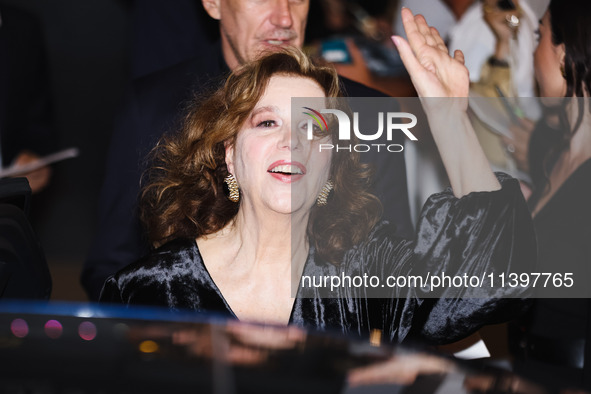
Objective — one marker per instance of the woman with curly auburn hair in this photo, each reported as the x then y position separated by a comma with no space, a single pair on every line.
243,206
185,195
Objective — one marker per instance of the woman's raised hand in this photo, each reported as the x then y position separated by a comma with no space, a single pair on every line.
435,74
433,71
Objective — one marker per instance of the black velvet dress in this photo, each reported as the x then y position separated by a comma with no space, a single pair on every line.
480,232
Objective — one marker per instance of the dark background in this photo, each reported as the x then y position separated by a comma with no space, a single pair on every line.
94,48
87,44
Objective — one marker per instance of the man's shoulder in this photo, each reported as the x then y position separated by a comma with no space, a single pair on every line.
195,74
157,101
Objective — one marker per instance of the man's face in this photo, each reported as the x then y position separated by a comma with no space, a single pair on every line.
249,27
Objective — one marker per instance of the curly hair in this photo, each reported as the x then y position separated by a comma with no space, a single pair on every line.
185,195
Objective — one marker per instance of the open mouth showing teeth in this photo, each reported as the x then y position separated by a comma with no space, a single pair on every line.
287,170
275,42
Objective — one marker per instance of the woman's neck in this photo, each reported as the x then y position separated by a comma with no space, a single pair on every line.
579,151
256,262
259,238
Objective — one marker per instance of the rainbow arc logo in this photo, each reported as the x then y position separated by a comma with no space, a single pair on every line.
317,116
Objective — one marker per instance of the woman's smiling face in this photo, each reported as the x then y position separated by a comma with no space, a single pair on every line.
276,166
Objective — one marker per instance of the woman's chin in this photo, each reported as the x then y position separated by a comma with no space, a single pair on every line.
280,204
289,202
291,207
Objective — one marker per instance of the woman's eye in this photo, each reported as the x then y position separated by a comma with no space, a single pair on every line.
537,33
266,123
317,131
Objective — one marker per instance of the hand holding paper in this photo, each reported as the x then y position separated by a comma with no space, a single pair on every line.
36,168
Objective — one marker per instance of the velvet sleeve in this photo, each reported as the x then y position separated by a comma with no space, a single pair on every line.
480,235
477,235
111,292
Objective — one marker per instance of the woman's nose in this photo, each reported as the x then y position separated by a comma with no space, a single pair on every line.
289,140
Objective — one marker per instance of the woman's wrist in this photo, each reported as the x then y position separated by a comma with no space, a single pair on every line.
502,50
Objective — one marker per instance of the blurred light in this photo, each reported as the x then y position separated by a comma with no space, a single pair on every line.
375,337
85,313
19,328
148,347
87,331
53,329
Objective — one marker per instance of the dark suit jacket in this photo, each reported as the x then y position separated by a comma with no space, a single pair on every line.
154,107
163,35
25,115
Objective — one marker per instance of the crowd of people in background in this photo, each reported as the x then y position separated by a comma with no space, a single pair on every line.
186,52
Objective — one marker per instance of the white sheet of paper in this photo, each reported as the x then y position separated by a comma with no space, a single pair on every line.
477,350
16,170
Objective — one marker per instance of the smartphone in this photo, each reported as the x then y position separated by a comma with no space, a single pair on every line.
506,5
336,51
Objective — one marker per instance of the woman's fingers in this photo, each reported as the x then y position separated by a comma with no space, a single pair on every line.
433,71
416,54
438,40
419,33
415,38
423,39
459,56
425,30
407,55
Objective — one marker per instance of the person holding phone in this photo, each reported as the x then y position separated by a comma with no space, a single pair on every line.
553,343
507,74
